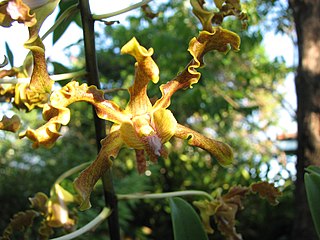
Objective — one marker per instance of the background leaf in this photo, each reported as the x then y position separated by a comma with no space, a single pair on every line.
9,54
73,15
185,220
312,182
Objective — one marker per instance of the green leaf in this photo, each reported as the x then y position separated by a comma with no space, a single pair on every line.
185,220
313,169
9,54
312,182
70,13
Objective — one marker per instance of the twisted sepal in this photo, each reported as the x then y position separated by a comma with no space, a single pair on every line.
87,179
222,152
219,39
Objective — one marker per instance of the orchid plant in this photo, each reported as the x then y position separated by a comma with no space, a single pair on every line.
143,125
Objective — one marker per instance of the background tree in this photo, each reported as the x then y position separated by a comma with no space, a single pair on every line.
306,18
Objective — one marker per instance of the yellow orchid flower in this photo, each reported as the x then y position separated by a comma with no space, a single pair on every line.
32,13
141,125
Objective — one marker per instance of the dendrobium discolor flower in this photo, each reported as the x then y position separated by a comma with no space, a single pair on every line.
32,13
143,126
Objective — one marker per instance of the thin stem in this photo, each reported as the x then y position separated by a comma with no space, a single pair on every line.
71,171
124,10
163,195
56,77
91,225
93,79
114,90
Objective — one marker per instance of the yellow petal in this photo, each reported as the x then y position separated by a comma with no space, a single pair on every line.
145,70
130,135
84,184
47,134
165,124
221,151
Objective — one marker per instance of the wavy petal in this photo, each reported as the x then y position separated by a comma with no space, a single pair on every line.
16,10
84,184
10,124
47,134
203,15
220,39
145,70
226,8
56,113
221,151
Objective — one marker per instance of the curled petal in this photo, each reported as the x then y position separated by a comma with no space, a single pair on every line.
5,62
47,134
226,8
145,70
84,184
10,124
56,113
267,190
73,92
25,98
221,151
16,10
220,39
203,15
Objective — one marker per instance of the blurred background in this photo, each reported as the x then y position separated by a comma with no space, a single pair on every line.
246,99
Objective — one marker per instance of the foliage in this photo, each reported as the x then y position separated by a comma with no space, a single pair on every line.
312,179
223,103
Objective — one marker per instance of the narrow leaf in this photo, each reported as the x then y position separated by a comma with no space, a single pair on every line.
185,220
9,54
71,15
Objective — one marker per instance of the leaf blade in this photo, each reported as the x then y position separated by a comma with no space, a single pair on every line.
185,220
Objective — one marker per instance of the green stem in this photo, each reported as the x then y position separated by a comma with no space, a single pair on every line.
56,77
91,225
124,10
93,79
163,195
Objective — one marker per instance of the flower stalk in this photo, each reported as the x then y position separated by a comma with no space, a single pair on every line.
93,79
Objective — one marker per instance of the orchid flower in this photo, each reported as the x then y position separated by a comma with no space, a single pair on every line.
32,13
141,125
